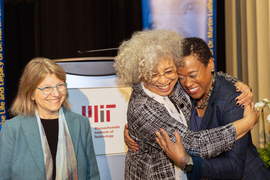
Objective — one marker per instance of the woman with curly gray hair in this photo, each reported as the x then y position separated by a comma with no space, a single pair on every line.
148,62
138,58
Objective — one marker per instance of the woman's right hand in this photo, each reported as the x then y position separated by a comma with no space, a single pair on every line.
244,125
130,142
251,113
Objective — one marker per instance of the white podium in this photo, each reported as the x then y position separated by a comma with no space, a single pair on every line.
102,98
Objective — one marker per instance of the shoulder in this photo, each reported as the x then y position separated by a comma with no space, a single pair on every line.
138,96
14,126
77,122
16,121
138,99
141,105
74,115
225,89
224,95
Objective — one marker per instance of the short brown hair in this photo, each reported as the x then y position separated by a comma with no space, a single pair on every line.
33,74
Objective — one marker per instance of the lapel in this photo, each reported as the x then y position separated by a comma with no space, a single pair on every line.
31,132
74,128
32,136
207,118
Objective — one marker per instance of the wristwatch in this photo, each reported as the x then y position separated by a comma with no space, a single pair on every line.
189,166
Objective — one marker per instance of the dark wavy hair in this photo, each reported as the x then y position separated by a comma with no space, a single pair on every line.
198,47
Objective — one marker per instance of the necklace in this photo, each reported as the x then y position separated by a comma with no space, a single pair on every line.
208,95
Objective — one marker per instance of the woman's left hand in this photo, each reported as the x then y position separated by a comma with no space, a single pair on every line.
175,151
246,97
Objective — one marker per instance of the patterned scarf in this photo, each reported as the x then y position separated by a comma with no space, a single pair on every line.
66,164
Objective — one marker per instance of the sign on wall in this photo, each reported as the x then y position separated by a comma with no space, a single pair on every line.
106,109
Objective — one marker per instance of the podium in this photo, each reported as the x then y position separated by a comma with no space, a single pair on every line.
95,91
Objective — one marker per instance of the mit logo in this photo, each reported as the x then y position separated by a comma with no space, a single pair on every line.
98,112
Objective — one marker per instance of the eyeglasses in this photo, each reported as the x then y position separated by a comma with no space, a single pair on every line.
168,74
47,90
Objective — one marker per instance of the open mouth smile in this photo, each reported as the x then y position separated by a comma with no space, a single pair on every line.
54,101
194,90
164,88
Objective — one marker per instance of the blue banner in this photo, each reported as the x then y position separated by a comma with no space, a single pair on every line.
3,104
211,27
190,18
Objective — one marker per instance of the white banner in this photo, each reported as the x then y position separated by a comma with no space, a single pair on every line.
106,109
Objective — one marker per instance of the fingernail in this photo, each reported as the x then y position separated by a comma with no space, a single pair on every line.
237,104
236,99
135,143
160,129
137,149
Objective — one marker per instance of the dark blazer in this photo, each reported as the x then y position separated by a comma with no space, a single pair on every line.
21,155
243,161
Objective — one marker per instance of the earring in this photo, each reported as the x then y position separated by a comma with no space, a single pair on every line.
213,70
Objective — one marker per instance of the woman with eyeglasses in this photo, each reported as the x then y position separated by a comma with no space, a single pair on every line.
148,62
45,140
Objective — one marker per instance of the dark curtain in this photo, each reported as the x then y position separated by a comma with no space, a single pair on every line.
19,43
65,26
57,29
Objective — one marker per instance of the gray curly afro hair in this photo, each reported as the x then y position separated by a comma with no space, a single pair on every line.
138,57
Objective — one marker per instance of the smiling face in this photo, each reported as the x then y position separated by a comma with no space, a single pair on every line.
164,79
195,77
48,105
